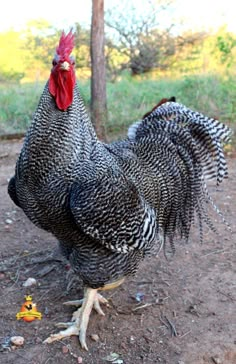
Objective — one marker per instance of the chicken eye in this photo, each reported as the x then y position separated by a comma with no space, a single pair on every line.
54,62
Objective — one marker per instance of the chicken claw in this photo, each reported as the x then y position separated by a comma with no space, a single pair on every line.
80,318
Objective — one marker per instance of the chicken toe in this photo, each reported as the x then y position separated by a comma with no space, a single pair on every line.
71,330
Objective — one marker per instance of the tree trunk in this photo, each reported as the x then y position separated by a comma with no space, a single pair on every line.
98,80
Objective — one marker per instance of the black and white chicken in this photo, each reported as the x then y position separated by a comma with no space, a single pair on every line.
111,205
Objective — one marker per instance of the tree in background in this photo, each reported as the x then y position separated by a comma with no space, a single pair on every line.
98,69
12,66
147,39
144,42
226,45
82,50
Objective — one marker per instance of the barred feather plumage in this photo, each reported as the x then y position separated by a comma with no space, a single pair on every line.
110,205
198,154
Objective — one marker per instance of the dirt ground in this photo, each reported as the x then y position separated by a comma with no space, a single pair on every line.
187,308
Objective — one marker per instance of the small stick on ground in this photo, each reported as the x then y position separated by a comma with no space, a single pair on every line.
172,327
185,334
163,322
143,306
15,280
168,325
216,252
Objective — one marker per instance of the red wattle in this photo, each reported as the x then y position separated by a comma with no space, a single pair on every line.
61,85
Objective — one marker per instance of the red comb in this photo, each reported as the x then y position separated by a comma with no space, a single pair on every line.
66,44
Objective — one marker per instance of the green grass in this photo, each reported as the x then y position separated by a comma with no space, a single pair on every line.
128,100
17,105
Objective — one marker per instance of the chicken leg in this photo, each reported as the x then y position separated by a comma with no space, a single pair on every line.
80,318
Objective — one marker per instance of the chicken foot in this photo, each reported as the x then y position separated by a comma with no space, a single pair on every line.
80,318
79,323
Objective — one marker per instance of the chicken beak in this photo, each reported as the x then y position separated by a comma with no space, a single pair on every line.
65,66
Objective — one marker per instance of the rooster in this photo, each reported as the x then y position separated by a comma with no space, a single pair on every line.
112,205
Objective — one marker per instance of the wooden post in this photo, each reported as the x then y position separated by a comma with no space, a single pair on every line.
98,79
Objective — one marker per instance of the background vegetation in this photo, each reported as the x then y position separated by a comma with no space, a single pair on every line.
144,64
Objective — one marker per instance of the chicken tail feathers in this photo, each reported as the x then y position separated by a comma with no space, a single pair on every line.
189,151
207,134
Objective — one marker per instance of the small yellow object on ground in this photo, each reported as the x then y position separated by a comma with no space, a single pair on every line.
28,311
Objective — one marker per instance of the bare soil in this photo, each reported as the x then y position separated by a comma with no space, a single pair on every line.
187,308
